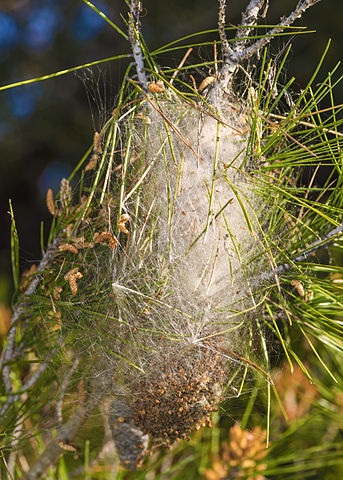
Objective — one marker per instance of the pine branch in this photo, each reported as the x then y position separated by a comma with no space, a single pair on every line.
249,19
134,32
21,308
69,430
221,27
286,22
285,267
236,55
28,384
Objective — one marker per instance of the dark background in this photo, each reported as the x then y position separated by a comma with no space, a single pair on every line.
46,127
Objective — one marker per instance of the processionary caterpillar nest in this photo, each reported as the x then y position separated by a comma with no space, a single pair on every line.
155,271
199,229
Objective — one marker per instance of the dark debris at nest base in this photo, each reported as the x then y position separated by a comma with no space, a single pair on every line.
180,398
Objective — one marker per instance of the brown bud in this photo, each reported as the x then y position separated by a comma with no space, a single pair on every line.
106,236
156,87
72,276
206,82
65,193
97,143
68,247
121,223
50,201
92,162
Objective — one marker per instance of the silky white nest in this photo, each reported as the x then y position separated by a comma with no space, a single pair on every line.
207,212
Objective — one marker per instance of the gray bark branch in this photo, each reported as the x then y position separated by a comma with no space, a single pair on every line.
285,267
68,431
221,27
19,310
286,22
134,29
238,53
249,19
28,384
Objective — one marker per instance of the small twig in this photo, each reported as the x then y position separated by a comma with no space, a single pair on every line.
69,430
249,21
19,309
230,353
6,465
221,27
194,83
134,29
29,383
278,127
329,238
291,137
285,22
308,124
172,126
236,55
